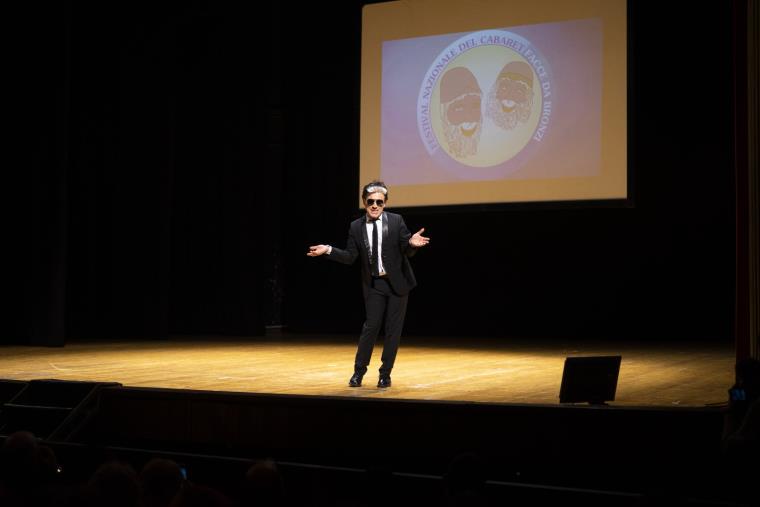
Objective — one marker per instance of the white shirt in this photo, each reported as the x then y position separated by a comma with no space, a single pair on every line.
380,267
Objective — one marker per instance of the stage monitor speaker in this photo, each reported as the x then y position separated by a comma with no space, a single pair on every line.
590,379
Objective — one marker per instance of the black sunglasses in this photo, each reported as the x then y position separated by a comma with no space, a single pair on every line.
379,202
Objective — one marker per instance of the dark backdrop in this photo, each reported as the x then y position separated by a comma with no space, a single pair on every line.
175,161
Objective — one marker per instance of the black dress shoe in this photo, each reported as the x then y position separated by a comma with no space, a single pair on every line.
356,380
385,381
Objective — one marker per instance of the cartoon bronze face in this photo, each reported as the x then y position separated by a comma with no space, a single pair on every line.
461,115
511,97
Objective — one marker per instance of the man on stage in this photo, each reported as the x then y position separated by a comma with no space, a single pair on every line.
384,245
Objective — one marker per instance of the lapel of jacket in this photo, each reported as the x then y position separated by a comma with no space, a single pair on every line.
385,228
363,227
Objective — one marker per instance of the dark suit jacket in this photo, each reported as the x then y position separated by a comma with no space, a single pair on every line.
396,251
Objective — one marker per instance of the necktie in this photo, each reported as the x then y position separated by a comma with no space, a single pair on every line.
375,257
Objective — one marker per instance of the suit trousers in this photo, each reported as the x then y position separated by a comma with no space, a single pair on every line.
383,306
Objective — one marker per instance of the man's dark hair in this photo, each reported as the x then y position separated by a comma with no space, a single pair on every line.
374,186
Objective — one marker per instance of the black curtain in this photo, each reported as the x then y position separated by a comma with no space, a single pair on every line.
660,270
177,161
141,209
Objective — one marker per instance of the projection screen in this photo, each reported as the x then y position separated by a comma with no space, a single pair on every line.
494,101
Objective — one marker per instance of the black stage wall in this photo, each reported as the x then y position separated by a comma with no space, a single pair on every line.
175,161
662,269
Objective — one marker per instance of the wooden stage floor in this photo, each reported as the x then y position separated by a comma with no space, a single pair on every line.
446,369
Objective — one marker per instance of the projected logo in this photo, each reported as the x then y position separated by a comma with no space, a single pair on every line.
485,100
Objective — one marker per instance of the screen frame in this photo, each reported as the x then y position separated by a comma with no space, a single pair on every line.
629,201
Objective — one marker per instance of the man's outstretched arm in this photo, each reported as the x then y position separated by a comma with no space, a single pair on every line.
411,242
347,256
